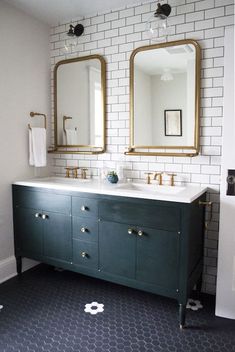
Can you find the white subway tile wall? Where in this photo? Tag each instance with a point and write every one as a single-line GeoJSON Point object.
{"type": "Point", "coordinates": [114, 34]}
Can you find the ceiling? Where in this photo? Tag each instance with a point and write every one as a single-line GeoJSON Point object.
{"type": "Point", "coordinates": [53, 12]}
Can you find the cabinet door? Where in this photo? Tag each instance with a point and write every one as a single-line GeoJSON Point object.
{"type": "Point", "coordinates": [57, 236]}
{"type": "Point", "coordinates": [116, 249]}
{"type": "Point", "coordinates": [157, 257]}
{"type": "Point", "coordinates": [28, 231]}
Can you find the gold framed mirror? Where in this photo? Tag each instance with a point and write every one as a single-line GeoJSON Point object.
{"type": "Point", "coordinates": [165, 99]}
{"type": "Point", "coordinates": [80, 105]}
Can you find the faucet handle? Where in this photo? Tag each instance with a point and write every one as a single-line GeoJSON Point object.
{"type": "Point", "coordinates": [148, 177]}
{"type": "Point", "coordinates": [83, 174]}
{"type": "Point", "coordinates": [172, 178]}
{"type": "Point", "coordinates": [68, 169]}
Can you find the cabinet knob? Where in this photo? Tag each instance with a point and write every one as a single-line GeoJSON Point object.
{"type": "Point", "coordinates": [44, 216]}
{"type": "Point", "coordinates": [130, 231]}
{"type": "Point", "coordinates": [83, 229]}
{"type": "Point", "coordinates": [84, 208]}
{"type": "Point", "coordinates": [140, 233]}
{"type": "Point", "coordinates": [84, 254]}
{"type": "Point", "coordinates": [37, 215]}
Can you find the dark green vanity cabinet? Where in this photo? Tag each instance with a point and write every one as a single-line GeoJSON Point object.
{"type": "Point", "coordinates": [156, 246]}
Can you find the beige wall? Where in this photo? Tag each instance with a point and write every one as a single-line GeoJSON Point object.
{"type": "Point", "coordinates": [24, 86]}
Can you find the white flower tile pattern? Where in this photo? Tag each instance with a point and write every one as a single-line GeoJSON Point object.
{"type": "Point", "coordinates": [194, 304]}
{"type": "Point", "coordinates": [94, 308]}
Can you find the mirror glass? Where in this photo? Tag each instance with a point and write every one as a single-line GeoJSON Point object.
{"type": "Point", "coordinates": [80, 103]}
{"type": "Point", "coordinates": [164, 96]}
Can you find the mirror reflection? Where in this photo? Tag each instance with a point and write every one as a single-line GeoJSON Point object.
{"type": "Point", "coordinates": [80, 102]}
{"type": "Point", "coordinates": [164, 92]}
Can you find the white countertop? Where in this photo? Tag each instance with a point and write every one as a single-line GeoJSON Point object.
{"type": "Point", "coordinates": [181, 194]}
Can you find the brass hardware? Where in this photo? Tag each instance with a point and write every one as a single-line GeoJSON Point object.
{"type": "Point", "coordinates": [159, 175]}
{"type": "Point", "coordinates": [140, 233]}
{"type": "Point", "coordinates": [84, 254]}
{"type": "Point", "coordinates": [210, 205]}
{"type": "Point", "coordinates": [83, 229]}
{"type": "Point", "coordinates": [130, 231]}
{"type": "Point", "coordinates": [84, 208]}
{"type": "Point", "coordinates": [172, 179]}
{"type": "Point", "coordinates": [83, 173]}
{"type": "Point", "coordinates": [148, 177]}
{"type": "Point", "coordinates": [32, 114]}
{"type": "Point", "coordinates": [64, 120]}
{"type": "Point", "coordinates": [194, 150]}
{"type": "Point", "coordinates": [37, 215]}
{"type": "Point", "coordinates": [69, 149]}
{"type": "Point", "coordinates": [68, 169]}
{"type": "Point", "coordinates": [75, 172]}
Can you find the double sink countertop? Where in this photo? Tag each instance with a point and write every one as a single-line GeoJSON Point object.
{"type": "Point", "coordinates": [181, 194]}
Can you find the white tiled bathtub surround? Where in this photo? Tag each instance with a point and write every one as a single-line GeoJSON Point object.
{"type": "Point", "coordinates": [114, 35]}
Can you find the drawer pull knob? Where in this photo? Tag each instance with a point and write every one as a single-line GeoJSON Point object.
{"type": "Point", "coordinates": [140, 233]}
{"type": "Point", "coordinates": [130, 231]}
{"type": "Point", "coordinates": [84, 254]}
{"type": "Point", "coordinates": [44, 216]}
{"type": "Point", "coordinates": [37, 215]}
{"type": "Point", "coordinates": [83, 229]}
{"type": "Point", "coordinates": [84, 208]}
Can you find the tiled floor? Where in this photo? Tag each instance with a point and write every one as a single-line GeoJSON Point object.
{"type": "Point", "coordinates": [44, 311]}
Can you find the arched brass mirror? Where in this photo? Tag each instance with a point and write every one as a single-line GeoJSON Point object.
{"type": "Point", "coordinates": [164, 99]}
{"type": "Point", "coordinates": [79, 105]}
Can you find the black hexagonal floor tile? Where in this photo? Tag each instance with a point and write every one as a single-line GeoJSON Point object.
{"type": "Point", "coordinates": [43, 311]}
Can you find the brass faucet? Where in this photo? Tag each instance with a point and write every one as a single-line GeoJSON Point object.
{"type": "Point", "coordinates": [75, 172]}
{"type": "Point", "coordinates": [159, 176]}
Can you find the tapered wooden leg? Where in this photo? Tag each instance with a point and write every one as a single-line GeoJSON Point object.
{"type": "Point", "coordinates": [19, 265]}
{"type": "Point", "coordinates": [182, 315]}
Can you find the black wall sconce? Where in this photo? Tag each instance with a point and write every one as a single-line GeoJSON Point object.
{"type": "Point", "coordinates": [75, 31]}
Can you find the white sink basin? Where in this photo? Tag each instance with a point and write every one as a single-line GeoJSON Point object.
{"type": "Point", "coordinates": [66, 180]}
{"type": "Point", "coordinates": [151, 188]}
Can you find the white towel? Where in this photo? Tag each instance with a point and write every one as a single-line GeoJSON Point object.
{"type": "Point", "coordinates": [37, 147]}
{"type": "Point", "coordinates": [71, 136]}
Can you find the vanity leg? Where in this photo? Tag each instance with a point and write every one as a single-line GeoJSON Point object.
{"type": "Point", "coordinates": [182, 315]}
{"type": "Point", "coordinates": [19, 265]}
{"type": "Point", "coordinates": [199, 285]}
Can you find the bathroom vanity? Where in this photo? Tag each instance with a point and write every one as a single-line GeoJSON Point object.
{"type": "Point", "coordinates": [130, 236]}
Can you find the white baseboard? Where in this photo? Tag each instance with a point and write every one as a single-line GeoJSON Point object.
{"type": "Point", "coordinates": [8, 267]}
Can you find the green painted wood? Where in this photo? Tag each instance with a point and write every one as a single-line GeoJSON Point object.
{"type": "Point", "coordinates": [42, 200]}
{"type": "Point", "coordinates": [29, 231]}
{"type": "Point", "coordinates": [90, 249]}
{"type": "Point", "coordinates": [57, 236]}
{"type": "Point", "coordinates": [157, 257]}
{"type": "Point", "coordinates": [116, 249]}
{"type": "Point", "coordinates": [84, 207]}
{"type": "Point", "coordinates": [90, 226]}
{"type": "Point", "coordinates": [161, 261]}
{"type": "Point", "coordinates": [161, 217]}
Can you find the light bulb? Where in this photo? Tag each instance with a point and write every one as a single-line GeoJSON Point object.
{"type": "Point", "coordinates": [156, 28]}
{"type": "Point", "coordinates": [69, 46]}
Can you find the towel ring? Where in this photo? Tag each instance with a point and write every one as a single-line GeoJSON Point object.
{"type": "Point", "coordinates": [32, 114]}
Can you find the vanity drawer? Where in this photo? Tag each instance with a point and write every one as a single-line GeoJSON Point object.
{"type": "Point", "coordinates": [42, 200]}
{"type": "Point", "coordinates": [84, 207]}
{"type": "Point", "coordinates": [161, 217]}
{"type": "Point", "coordinates": [85, 254]}
{"type": "Point", "coordinates": [85, 229]}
